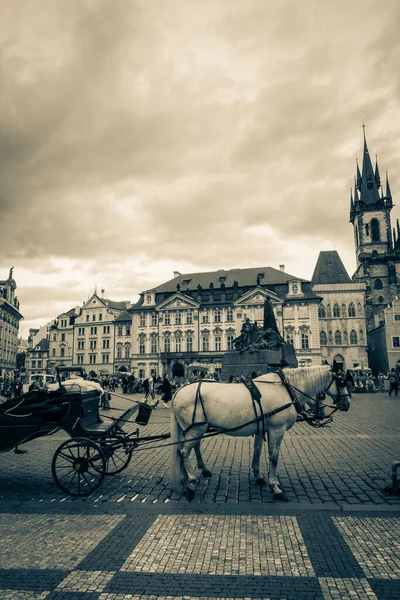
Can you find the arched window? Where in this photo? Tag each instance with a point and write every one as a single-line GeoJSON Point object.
{"type": "Point", "coordinates": [378, 285]}
{"type": "Point", "coordinates": [375, 231]}
{"type": "Point", "coordinates": [323, 339]}
{"type": "Point", "coordinates": [352, 310]}
{"type": "Point", "coordinates": [336, 311]}
{"type": "Point", "coordinates": [353, 337]}
{"type": "Point", "coordinates": [381, 299]}
{"type": "Point", "coordinates": [338, 338]}
{"type": "Point", "coordinates": [321, 311]}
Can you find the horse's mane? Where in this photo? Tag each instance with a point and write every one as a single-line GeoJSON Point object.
{"type": "Point", "coordinates": [311, 380]}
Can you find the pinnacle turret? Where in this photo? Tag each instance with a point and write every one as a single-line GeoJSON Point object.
{"type": "Point", "coordinates": [377, 174]}
{"type": "Point", "coordinates": [388, 192]}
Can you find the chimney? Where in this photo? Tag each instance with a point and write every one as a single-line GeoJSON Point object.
{"type": "Point", "coordinates": [176, 273]}
{"type": "Point", "coordinates": [282, 268]}
{"type": "Point", "coordinates": [77, 310]}
{"type": "Point", "coordinates": [128, 304]}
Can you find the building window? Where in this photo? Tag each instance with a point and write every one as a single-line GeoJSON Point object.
{"type": "Point", "coordinates": [205, 318]}
{"type": "Point", "coordinates": [178, 344]}
{"type": "Point", "coordinates": [321, 312]}
{"type": "Point", "coordinates": [106, 358]}
{"type": "Point", "coordinates": [100, 319]}
{"type": "Point", "coordinates": [119, 330]}
{"type": "Point", "coordinates": [154, 319]}
{"type": "Point", "coordinates": [80, 359]}
{"type": "Point", "coordinates": [62, 351]}
{"type": "Point", "coordinates": [141, 374]}
{"type": "Point", "coordinates": [304, 341]}
{"type": "Point", "coordinates": [63, 337]}
{"type": "Point", "coordinates": [189, 318]}
{"type": "Point", "coordinates": [338, 338]}
{"type": "Point", "coordinates": [93, 317]}
{"type": "Point", "coordinates": [92, 359]}
{"type": "Point", "coordinates": [93, 344]}
{"type": "Point", "coordinates": [54, 337]}
{"type": "Point", "coordinates": [178, 318]}
{"type": "Point", "coordinates": [54, 351]}
{"type": "Point", "coordinates": [167, 319]}
{"type": "Point", "coordinates": [353, 337]}
{"type": "Point", "coordinates": [167, 344]}
{"type": "Point", "coordinates": [93, 331]}
{"type": "Point", "coordinates": [351, 310]}
{"type": "Point", "coordinates": [323, 338]}
{"type": "Point", "coordinates": [217, 315]}
{"type": "Point", "coordinates": [81, 331]}
{"type": "Point", "coordinates": [396, 341]}
{"type": "Point", "coordinates": [142, 320]}
{"type": "Point", "coordinates": [375, 231]}
{"type": "Point", "coordinates": [87, 317]}
{"type": "Point", "coordinates": [229, 339]}
{"type": "Point", "coordinates": [378, 285]}
{"type": "Point", "coordinates": [142, 346]}
{"type": "Point", "coordinates": [217, 343]}
{"type": "Point", "coordinates": [336, 311]}
{"type": "Point", "coordinates": [127, 350]}
{"type": "Point", "coordinates": [205, 345]}
{"type": "Point", "coordinates": [153, 344]}
{"type": "Point", "coordinates": [106, 343]}
{"type": "Point", "coordinates": [289, 338]}
{"type": "Point", "coordinates": [189, 344]}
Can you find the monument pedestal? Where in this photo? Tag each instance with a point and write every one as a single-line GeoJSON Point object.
{"type": "Point", "coordinates": [238, 363]}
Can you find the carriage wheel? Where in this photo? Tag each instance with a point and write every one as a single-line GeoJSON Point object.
{"type": "Point", "coordinates": [117, 459]}
{"type": "Point", "coordinates": [78, 467]}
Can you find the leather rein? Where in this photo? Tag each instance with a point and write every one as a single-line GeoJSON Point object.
{"type": "Point", "coordinates": [315, 420]}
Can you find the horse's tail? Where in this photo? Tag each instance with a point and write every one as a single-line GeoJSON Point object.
{"type": "Point", "coordinates": [176, 472]}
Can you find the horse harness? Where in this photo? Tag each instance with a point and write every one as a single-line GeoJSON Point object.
{"type": "Point", "coordinates": [311, 419]}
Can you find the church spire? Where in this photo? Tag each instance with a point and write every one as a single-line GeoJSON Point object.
{"type": "Point", "coordinates": [369, 190]}
{"type": "Point", "coordinates": [388, 192]}
{"type": "Point", "coordinates": [351, 203]}
{"type": "Point", "coordinates": [377, 174]}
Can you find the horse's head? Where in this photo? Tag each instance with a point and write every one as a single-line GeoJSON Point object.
{"type": "Point", "coordinates": [338, 391]}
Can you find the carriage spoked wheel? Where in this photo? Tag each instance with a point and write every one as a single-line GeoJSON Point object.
{"type": "Point", "coordinates": [117, 456]}
{"type": "Point", "coordinates": [78, 466]}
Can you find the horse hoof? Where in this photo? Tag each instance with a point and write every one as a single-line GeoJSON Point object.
{"type": "Point", "coordinates": [281, 497]}
{"type": "Point", "coordinates": [261, 481]}
{"type": "Point", "coordinates": [206, 473]}
{"type": "Point", "coordinates": [189, 494]}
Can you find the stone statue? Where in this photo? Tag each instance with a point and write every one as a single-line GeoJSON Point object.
{"type": "Point", "coordinates": [269, 317]}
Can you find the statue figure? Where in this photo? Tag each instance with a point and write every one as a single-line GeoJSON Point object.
{"type": "Point", "coordinates": [178, 287]}
{"type": "Point", "coordinates": [269, 317]}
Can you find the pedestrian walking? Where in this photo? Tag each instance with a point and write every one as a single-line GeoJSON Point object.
{"type": "Point", "coordinates": [393, 382]}
{"type": "Point", "coordinates": [166, 391]}
{"type": "Point", "coordinates": [349, 381]}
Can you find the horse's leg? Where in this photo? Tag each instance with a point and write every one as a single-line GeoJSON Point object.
{"type": "Point", "coordinates": [255, 464]}
{"type": "Point", "coordinates": [200, 462]}
{"type": "Point", "coordinates": [275, 437]}
{"type": "Point", "coordinates": [188, 443]}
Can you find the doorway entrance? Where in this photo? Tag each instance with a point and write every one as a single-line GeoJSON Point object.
{"type": "Point", "coordinates": [178, 370]}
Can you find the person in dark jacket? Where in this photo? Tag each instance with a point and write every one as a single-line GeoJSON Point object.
{"type": "Point", "coordinates": [166, 391]}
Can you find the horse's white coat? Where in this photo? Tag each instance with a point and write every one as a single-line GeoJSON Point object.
{"type": "Point", "coordinates": [228, 406]}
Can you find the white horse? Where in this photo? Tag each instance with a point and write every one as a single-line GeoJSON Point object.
{"type": "Point", "coordinates": [228, 407]}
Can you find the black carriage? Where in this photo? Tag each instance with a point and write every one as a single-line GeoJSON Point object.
{"type": "Point", "coordinates": [95, 448]}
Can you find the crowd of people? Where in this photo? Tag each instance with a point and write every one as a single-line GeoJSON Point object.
{"type": "Point", "coordinates": [360, 381]}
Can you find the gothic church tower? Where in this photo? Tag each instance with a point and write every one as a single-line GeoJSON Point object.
{"type": "Point", "coordinates": [377, 248]}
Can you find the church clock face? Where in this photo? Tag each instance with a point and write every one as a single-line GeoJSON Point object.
{"type": "Point", "coordinates": [148, 298]}
{"type": "Point", "coordinates": [295, 288]}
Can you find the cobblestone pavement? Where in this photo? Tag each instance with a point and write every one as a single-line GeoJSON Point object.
{"type": "Point", "coordinates": [338, 537]}
{"type": "Point", "coordinates": [347, 464]}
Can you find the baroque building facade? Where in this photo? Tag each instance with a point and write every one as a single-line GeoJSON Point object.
{"type": "Point", "coordinates": [10, 317]}
{"type": "Point", "coordinates": [194, 318]}
{"type": "Point", "coordinates": [341, 314]}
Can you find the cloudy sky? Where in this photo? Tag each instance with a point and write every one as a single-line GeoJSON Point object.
{"type": "Point", "coordinates": [139, 137]}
